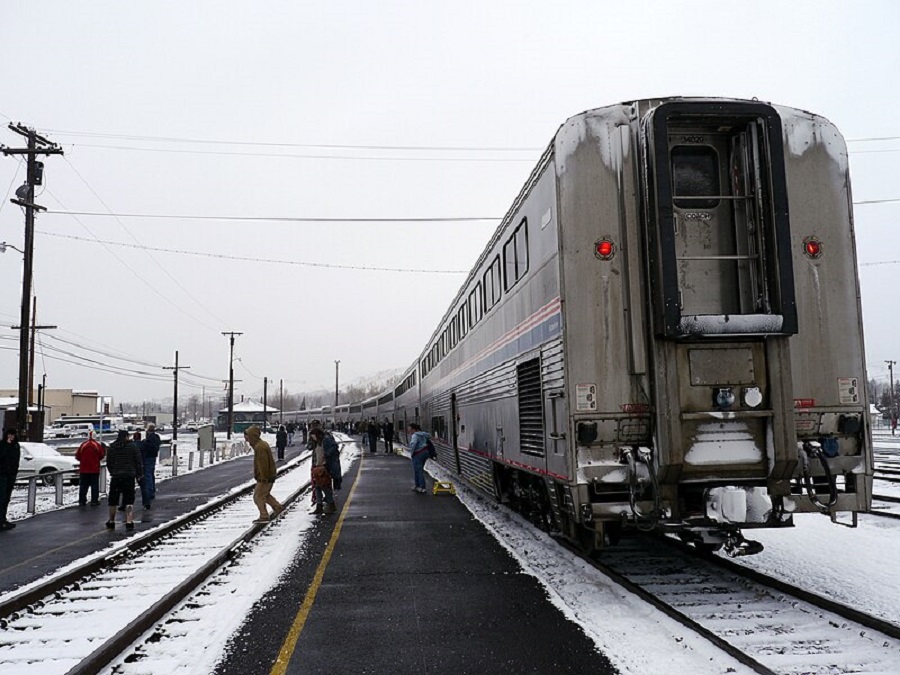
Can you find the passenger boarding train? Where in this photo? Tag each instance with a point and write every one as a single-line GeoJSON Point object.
{"type": "Point", "coordinates": [664, 333]}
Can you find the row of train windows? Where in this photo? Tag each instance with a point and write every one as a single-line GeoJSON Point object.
{"type": "Point", "coordinates": [487, 292]}
{"type": "Point", "coordinates": [406, 385]}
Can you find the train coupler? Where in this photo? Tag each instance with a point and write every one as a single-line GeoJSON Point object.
{"type": "Point", "coordinates": [736, 545]}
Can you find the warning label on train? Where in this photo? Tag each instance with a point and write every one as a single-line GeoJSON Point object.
{"type": "Point", "coordinates": [586, 397]}
{"type": "Point", "coordinates": [849, 389]}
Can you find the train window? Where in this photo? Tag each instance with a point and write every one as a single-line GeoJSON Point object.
{"type": "Point", "coordinates": [475, 305]}
{"type": "Point", "coordinates": [695, 174]}
{"type": "Point", "coordinates": [461, 317]}
{"type": "Point", "coordinates": [492, 287]}
{"type": "Point", "coordinates": [438, 427]}
{"type": "Point", "coordinates": [515, 256]}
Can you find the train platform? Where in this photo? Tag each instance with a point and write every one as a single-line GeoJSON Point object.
{"type": "Point", "coordinates": [401, 582]}
{"type": "Point", "coordinates": [45, 542]}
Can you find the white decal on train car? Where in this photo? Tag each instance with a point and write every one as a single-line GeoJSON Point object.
{"type": "Point", "coordinates": [586, 397]}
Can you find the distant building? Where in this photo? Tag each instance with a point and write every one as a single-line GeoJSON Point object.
{"type": "Point", "coordinates": [59, 402]}
{"type": "Point", "coordinates": [246, 413]}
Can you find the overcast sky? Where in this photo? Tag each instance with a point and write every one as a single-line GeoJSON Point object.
{"type": "Point", "coordinates": [360, 110]}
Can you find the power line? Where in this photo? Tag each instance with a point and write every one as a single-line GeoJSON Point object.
{"type": "Point", "coordinates": [275, 219]}
{"type": "Point", "coordinates": [296, 156]}
{"type": "Point", "coordinates": [137, 241]}
{"type": "Point", "coordinates": [329, 146]}
{"type": "Point", "coordinates": [223, 256]}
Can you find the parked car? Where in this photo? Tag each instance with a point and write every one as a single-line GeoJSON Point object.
{"type": "Point", "coordinates": [40, 459]}
{"type": "Point", "coordinates": [72, 430]}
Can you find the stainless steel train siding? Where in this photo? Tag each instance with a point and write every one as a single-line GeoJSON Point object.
{"type": "Point", "coordinates": [664, 332]}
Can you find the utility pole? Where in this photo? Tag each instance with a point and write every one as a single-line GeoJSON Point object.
{"type": "Point", "coordinates": [265, 403]}
{"type": "Point", "coordinates": [34, 329]}
{"type": "Point", "coordinates": [232, 335]}
{"type": "Point", "coordinates": [37, 145]}
{"type": "Point", "coordinates": [175, 399]}
{"type": "Point", "coordinates": [893, 409]}
{"type": "Point", "coordinates": [281, 402]}
{"type": "Point", "coordinates": [336, 366]}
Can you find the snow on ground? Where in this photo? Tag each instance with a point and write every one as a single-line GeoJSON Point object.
{"type": "Point", "coordinates": [854, 566]}
{"type": "Point", "coordinates": [635, 636]}
{"type": "Point", "coordinates": [218, 610]}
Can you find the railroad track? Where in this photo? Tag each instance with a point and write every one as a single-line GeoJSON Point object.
{"type": "Point", "coordinates": [769, 626]}
{"type": "Point", "coordinates": [178, 556]}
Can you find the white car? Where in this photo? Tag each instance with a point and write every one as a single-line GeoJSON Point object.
{"type": "Point", "coordinates": [40, 458]}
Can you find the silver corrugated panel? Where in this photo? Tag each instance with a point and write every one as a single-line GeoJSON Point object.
{"type": "Point", "coordinates": [477, 470]}
{"type": "Point", "coordinates": [492, 386]}
{"type": "Point", "coordinates": [553, 367]}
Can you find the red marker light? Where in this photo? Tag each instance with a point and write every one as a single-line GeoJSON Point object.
{"type": "Point", "coordinates": [812, 247]}
{"type": "Point", "coordinates": [604, 249]}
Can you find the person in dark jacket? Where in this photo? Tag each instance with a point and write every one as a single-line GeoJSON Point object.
{"type": "Point", "coordinates": [291, 428]}
{"type": "Point", "coordinates": [372, 433]}
{"type": "Point", "coordinates": [10, 454]}
{"type": "Point", "coordinates": [149, 452]}
{"type": "Point", "coordinates": [387, 430]}
{"type": "Point", "coordinates": [281, 441]}
{"type": "Point", "coordinates": [125, 466]}
{"type": "Point", "coordinates": [89, 455]}
{"type": "Point", "coordinates": [332, 454]}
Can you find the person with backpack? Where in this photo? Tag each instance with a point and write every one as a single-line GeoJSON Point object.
{"type": "Point", "coordinates": [321, 477]}
{"type": "Point", "coordinates": [332, 454]}
{"type": "Point", "coordinates": [419, 450]}
{"type": "Point", "coordinates": [125, 466]}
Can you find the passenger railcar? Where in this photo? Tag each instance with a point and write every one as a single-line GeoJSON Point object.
{"type": "Point", "coordinates": [663, 333]}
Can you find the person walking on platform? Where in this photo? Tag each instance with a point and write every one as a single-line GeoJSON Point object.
{"type": "Point", "coordinates": [418, 450]}
{"type": "Point", "coordinates": [332, 456]}
{"type": "Point", "coordinates": [89, 455]}
{"type": "Point", "coordinates": [320, 476]}
{"type": "Point", "coordinates": [125, 466]}
{"type": "Point", "coordinates": [387, 430]}
{"type": "Point", "coordinates": [372, 433]}
{"type": "Point", "coordinates": [281, 441]}
{"type": "Point", "coordinates": [10, 454]}
{"type": "Point", "coordinates": [150, 453]}
{"type": "Point", "coordinates": [264, 472]}
{"type": "Point", "coordinates": [291, 428]}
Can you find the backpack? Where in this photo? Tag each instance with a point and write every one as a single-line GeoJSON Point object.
{"type": "Point", "coordinates": [432, 453]}
{"type": "Point", "coordinates": [330, 446]}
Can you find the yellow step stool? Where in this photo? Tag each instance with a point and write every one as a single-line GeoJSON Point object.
{"type": "Point", "coordinates": [444, 487]}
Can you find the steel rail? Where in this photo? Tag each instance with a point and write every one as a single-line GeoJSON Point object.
{"type": "Point", "coordinates": [671, 612]}
{"type": "Point", "coordinates": [842, 610]}
{"type": "Point", "coordinates": [101, 657]}
{"type": "Point", "coordinates": [19, 601]}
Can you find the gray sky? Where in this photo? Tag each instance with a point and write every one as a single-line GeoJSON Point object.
{"type": "Point", "coordinates": [266, 85]}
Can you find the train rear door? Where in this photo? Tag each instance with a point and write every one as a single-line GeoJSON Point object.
{"type": "Point", "coordinates": [722, 294]}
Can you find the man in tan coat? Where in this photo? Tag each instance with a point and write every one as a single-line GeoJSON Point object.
{"type": "Point", "coordinates": [264, 472]}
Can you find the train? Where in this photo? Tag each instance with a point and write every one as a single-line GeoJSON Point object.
{"type": "Point", "coordinates": [663, 334]}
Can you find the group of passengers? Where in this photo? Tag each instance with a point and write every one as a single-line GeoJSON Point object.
{"type": "Point", "coordinates": [133, 459]}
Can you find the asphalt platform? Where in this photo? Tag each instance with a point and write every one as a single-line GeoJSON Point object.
{"type": "Point", "coordinates": [393, 582]}
{"type": "Point", "coordinates": [400, 582]}
{"type": "Point", "coordinates": [47, 541]}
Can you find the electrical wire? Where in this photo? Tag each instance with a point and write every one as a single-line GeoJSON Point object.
{"type": "Point", "coordinates": [165, 271]}
{"type": "Point", "coordinates": [276, 219]}
{"type": "Point", "coordinates": [223, 256]}
{"type": "Point", "coordinates": [328, 146]}
{"type": "Point", "coordinates": [132, 270]}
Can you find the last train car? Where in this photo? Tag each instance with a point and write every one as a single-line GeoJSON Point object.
{"type": "Point", "coordinates": [664, 332]}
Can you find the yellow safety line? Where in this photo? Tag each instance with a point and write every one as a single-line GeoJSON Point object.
{"type": "Point", "coordinates": [290, 642]}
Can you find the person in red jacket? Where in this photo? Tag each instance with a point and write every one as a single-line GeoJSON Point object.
{"type": "Point", "coordinates": [89, 455]}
